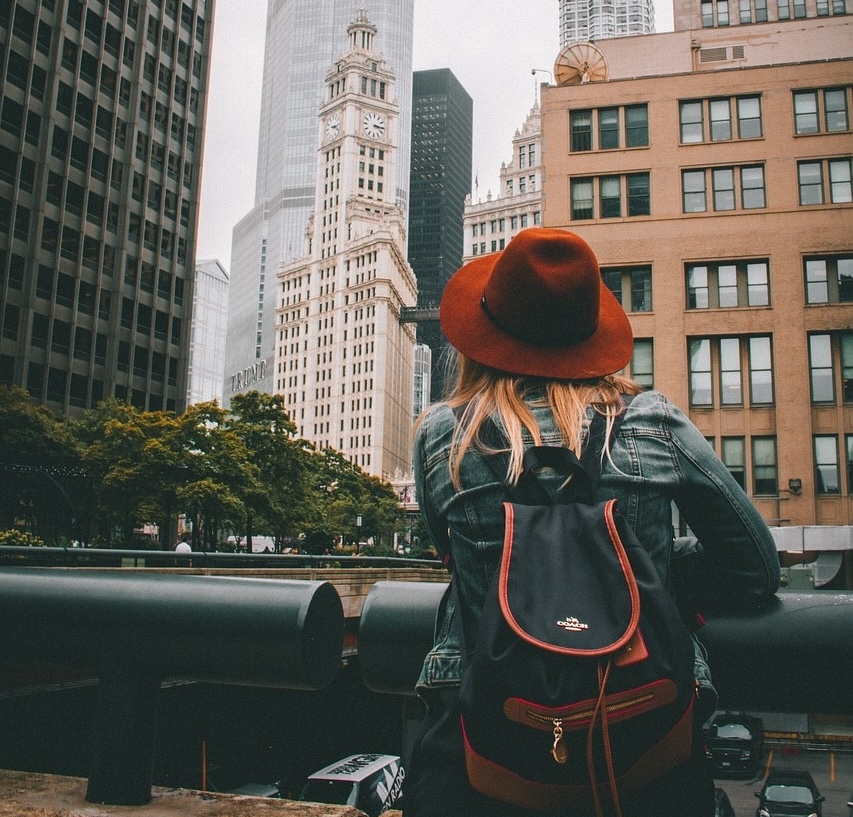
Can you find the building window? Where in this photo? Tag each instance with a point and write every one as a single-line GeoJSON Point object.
{"type": "Point", "coordinates": [634, 188]}
{"type": "Point", "coordinates": [752, 187]}
{"type": "Point", "coordinates": [805, 112]}
{"type": "Point", "coordinates": [849, 462]}
{"type": "Point", "coordinates": [723, 179]}
{"type": "Point", "coordinates": [639, 194]}
{"type": "Point", "coordinates": [582, 201]}
{"type": "Point", "coordinates": [749, 117]}
{"type": "Point", "coordinates": [632, 287]}
{"type": "Point", "coordinates": [815, 177]}
{"type": "Point", "coordinates": [691, 122]}
{"type": "Point", "coordinates": [642, 363]}
{"type": "Point", "coordinates": [718, 113]}
{"type": "Point", "coordinates": [760, 371]}
{"type": "Point", "coordinates": [723, 183]}
{"type": "Point", "coordinates": [581, 127]}
{"type": "Point", "coordinates": [836, 117]}
{"type": "Point", "coordinates": [610, 196]}
{"type": "Point", "coordinates": [826, 470]}
{"type": "Point", "coordinates": [637, 125]}
{"type": "Point", "coordinates": [728, 358]}
{"type": "Point", "coordinates": [829, 279]}
{"type": "Point", "coordinates": [693, 191]}
{"type": "Point", "coordinates": [831, 356]}
{"type": "Point", "coordinates": [720, 119]}
{"type": "Point", "coordinates": [727, 284]}
{"type": "Point", "coordinates": [733, 455]}
{"type": "Point", "coordinates": [608, 133]}
{"type": "Point", "coordinates": [608, 128]}
{"type": "Point", "coordinates": [764, 470]}
{"type": "Point", "coordinates": [841, 181]}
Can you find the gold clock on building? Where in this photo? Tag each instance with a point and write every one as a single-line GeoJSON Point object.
{"type": "Point", "coordinates": [579, 62]}
{"type": "Point", "coordinates": [333, 127]}
{"type": "Point", "coordinates": [373, 125]}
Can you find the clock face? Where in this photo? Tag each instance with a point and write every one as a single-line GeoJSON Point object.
{"type": "Point", "coordinates": [374, 125]}
{"type": "Point", "coordinates": [333, 126]}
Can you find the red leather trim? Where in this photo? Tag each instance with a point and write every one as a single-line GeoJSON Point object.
{"type": "Point", "coordinates": [620, 706]}
{"type": "Point", "coordinates": [634, 591]}
{"type": "Point", "coordinates": [502, 784]}
{"type": "Point", "coordinates": [633, 652]}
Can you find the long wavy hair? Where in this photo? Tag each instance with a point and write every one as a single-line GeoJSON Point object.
{"type": "Point", "coordinates": [484, 392]}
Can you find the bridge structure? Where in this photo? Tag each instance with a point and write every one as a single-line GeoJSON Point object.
{"type": "Point", "coordinates": [418, 314]}
{"type": "Point", "coordinates": [133, 628]}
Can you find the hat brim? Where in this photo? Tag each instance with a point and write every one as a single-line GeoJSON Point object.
{"type": "Point", "coordinates": [470, 330]}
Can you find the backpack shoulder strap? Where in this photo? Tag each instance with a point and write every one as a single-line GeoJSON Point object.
{"type": "Point", "coordinates": [585, 471]}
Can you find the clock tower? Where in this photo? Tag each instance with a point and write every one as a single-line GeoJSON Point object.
{"type": "Point", "coordinates": [344, 361]}
{"type": "Point", "coordinates": [358, 137]}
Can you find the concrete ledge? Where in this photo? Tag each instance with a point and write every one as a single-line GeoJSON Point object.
{"type": "Point", "coordinates": [46, 795]}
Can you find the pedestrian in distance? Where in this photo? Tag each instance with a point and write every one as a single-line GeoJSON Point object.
{"type": "Point", "coordinates": [540, 342]}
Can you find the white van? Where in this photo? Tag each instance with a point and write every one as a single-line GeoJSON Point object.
{"type": "Point", "coordinates": [370, 782]}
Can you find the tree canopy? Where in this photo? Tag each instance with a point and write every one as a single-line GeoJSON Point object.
{"type": "Point", "coordinates": [241, 472]}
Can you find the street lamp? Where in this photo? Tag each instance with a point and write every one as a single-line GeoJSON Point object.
{"type": "Point", "coordinates": [358, 533]}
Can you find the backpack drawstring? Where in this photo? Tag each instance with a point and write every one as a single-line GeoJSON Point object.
{"type": "Point", "coordinates": [601, 710]}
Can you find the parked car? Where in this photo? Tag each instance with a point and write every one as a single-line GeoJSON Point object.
{"type": "Point", "coordinates": [722, 804]}
{"type": "Point", "coordinates": [789, 793]}
{"type": "Point", "coordinates": [735, 744]}
{"type": "Point", "coordinates": [370, 782]}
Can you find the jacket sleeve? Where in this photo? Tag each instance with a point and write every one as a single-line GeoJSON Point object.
{"type": "Point", "coordinates": [435, 526]}
{"type": "Point", "coordinates": [739, 559]}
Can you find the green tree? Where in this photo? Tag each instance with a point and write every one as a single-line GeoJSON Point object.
{"type": "Point", "coordinates": [42, 483]}
{"type": "Point", "coordinates": [219, 474]}
{"type": "Point", "coordinates": [130, 455]}
{"type": "Point", "coordinates": [277, 501]}
{"type": "Point", "coordinates": [343, 492]}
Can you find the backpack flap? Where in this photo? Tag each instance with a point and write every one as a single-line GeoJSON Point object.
{"type": "Point", "coordinates": [564, 592]}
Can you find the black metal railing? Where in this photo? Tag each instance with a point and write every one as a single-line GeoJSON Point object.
{"type": "Point", "coordinates": [14, 556]}
{"type": "Point", "coordinates": [136, 629]}
{"type": "Point", "coordinates": [792, 654]}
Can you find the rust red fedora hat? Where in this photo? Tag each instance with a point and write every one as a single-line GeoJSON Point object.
{"type": "Point", "coordinates": [540, 308]}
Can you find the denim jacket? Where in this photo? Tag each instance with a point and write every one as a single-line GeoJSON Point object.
{"type": "Point", "coordinates": [657, 458]}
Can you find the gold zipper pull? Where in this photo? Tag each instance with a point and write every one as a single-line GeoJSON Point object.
{"type": "Point", "coordinates": [558, 750]}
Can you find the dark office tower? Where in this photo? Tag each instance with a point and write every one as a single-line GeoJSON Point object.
{"type": "Point", "coordinates": [101, 125]}
{"type": "Point", "coordinates": [442, 117]}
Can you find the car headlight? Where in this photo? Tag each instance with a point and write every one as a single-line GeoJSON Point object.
{"type": "Point", "coordinates": [762, 812]}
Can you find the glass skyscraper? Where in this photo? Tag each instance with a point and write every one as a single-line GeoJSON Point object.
{"type": "Point", "coordinates": [442, 127]}
{"type": "Point", "coordinates": [304, 37]}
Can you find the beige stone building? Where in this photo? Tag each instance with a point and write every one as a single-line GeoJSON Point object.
{"type": "Point", "coordinates": [710, 169]}
{"type": "Point", "coordinates": [491, 223]}
{"type": "Point", "coordinates": [344, 361]}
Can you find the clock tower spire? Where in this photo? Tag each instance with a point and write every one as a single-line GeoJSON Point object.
{"type": "Point", "coordinates": [344, 361]}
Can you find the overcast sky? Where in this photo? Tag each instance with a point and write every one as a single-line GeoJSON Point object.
{"type": "Point", "coordinates": [491, 46]}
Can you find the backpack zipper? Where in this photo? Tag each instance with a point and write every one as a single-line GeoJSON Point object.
{"type": "Point", "coordinates": [558, 749]}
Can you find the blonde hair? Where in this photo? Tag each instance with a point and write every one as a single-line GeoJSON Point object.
{"type": "Point", "coordinates": [484, 392]}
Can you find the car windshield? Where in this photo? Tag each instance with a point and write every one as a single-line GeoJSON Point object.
{"type": "Point", "coordinates": [733, 730]}
{"type": "Point", "coordinates": [789, 794]}
{"type": "Point", "coordinates": [335, 792]}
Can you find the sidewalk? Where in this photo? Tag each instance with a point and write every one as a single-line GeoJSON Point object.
{"type": "Point", "coordinates": [43, 795]}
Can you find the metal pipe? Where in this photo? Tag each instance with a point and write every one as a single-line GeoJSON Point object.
{"type": "Point", "coordinates": [222, 629]}
{"type": "Point", "coordinates": [135, 629]}
{"type": "Point", "coordinates": [794, 654]}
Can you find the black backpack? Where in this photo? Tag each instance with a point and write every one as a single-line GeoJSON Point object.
{"type": "Point", "coordinates": [581, 682]}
